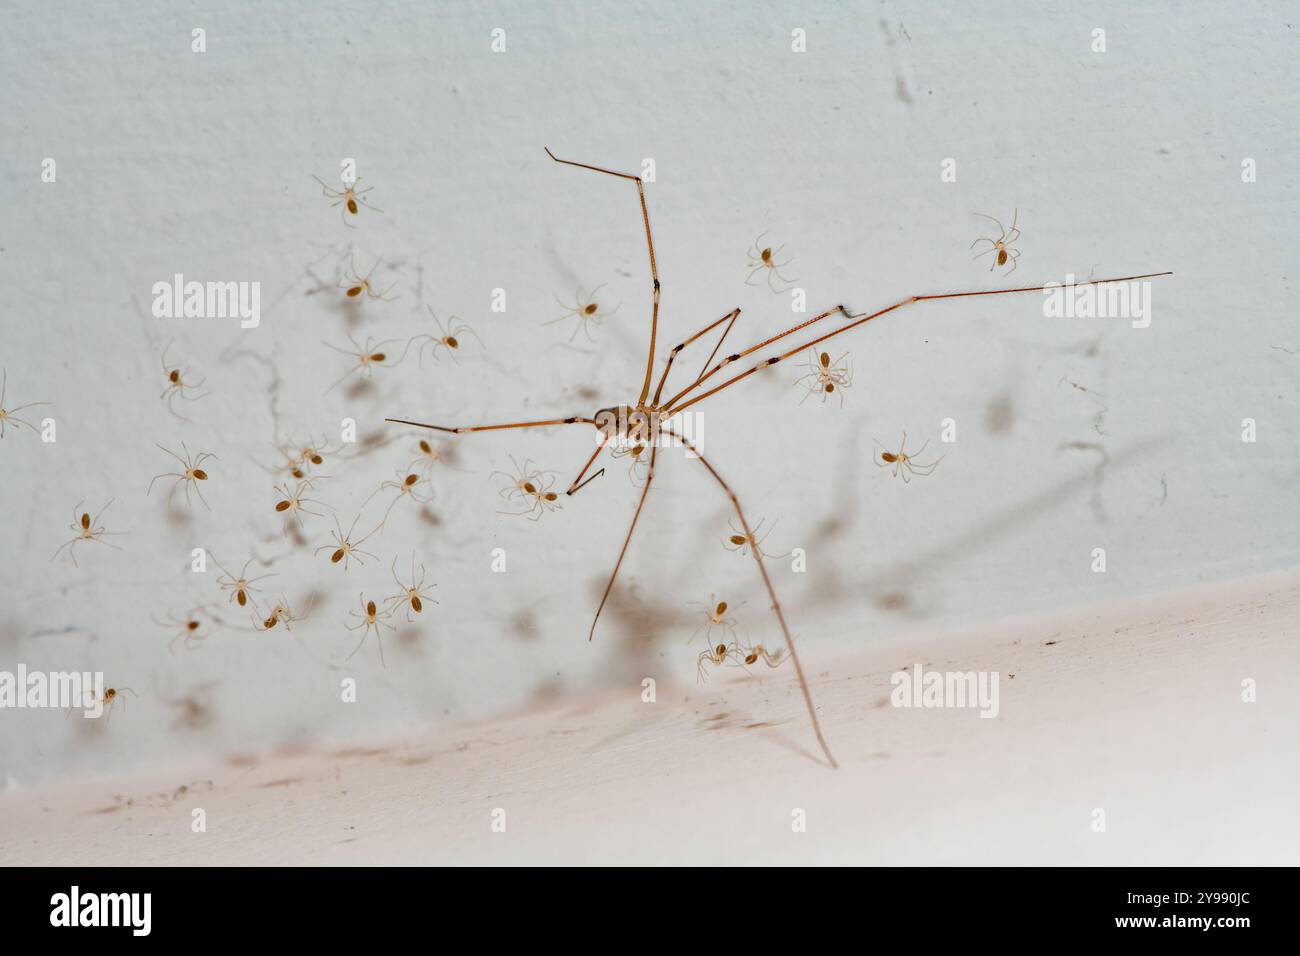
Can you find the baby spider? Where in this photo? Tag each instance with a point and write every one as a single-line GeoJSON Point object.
{"type": "Point", "coordinates": [449, 337]}
{"type": "Point", "coordinates": [192, 474]}
{"type": "Point", "coordinates": [715, 616]}
{"type": "Point", "coordinates": [372, 354]}
{"type": "Point", "coordinates": [190, 628]}
{"type": "Point", "coordinates": [531, 488]}
{"type": "Point", "coordinates": [412, 596]}
{"type": "Point", "coordinates": [904, 463]}
{"type": "Point", "coordinates": [717, 655]}
{"type": "Point", "coordinates": [291, 503]}
{"type": "Point", "coordinates": [741, 542]}
{"type": "Point", "coordinates": [748, 656]}
{"type": "Point", "coordinates": [369, 617]}
{"type": "Point", "coordinates": [306, 457]}
{"type": "Point", "coordinates": [110, 697]}
{"type": "Point", "coordinates": [585, 309]}
{"type": "Point", "coordinates": [239, 587]}
{"type": "Point", "coordinates": [8, 414]}
{"type": "Point", "coordinates": [405, 489]}
{"type": "Point", "coordinates": [177, 385]}
{"type": "Point", "coordinates": [825, 376]}
{"type": "Point", "coordinates": [765, 258]}
{"type": "Point", "coordinates": [280, 613]}
{"type": "Point", "coordinates": [357, 284]}
{"type": "Point", "coordinates": [344, 548]}
{"type": "Point", "coordinates": [349, 196]}
{"type": "Point", "coordinates": [87, 530]}
{"type": "Point", "coordinates": [426, 456]}
{"type": "Point", "coordinates": [1001, 245]}
{"type": "Point", "coordinates": [640, 468]}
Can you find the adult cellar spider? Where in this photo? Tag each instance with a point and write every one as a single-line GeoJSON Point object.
{"type": "Point", "coordinates": [651, 413]}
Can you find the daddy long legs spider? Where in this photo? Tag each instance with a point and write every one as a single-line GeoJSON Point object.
{"type": "Point", "coordinates": [648, 415]}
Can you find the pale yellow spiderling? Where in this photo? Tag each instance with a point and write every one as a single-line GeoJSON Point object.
{"type": "Point", "coordinates": [292, 504]}
{"type": "Point", "coordinates": [9, 416]}
{"type": "Point", "coordinates": [107, 700]}
{"type": "Point", "coordinates": [586, 309]}
{"type": "Point", "coordinates": [905, 464]}
{"type": "Point", "coordinates": [748, 655]}
{"type": "Point", "coordinates": [427, 454]}
{"type": "Point", "coordinates": [826, 377]}
{"type": "Point", "coordinates": [368, 358]}
{"type": "Point", "coordinates": [1001, 245]}
{"type": "Point", "coordinates": [344, 549]}
{"type": "Point", "coordinates": [189, 627]}
{"type": "Point", "coordinates": [411, 596]}
{"type": "Point", "coordinates": [349, 197]}
{"type": "Point", "coordinates": [280, 613]}
{"type": "Point", "coordinates": [450, 337]}
{"type": "Point", "coordinates": [370, 617]}
{"type": "Point", "coordinates": [178, 385]}
{"type": "Point", "coordinates": [88, 529]}
{"type": "Point", "coordinates": [191, 474]}
{"type": "Point", "coordinates": [358, 286]}
{"type": "Point", "coordinates": [717, 655]}
{"type": "Point", "coordinates": [241, 587]}
{"type": "Point", "coordinates": [716, 618]}
{"type": "Point", "coordinates": [742, 542]}
{"type": "Point", "coordinates": [407, 486]}
{"type": "Point", "coordinates": [762, 259]}
{"type": "Point", "coordinates": [530, 487]}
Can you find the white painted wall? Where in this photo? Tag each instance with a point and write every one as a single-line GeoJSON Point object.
{"type": "Point", "coordinates": [1120, 162]}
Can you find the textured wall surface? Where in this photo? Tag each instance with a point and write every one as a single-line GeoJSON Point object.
{"type": "Point", "coordinates": [1072, 433]}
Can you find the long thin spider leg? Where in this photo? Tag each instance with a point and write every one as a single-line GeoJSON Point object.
{"type": "Point", "coordinates": [771, 593]}
{"type": "Point", "coordinates": [461, 429]}
{"type": "Point", "coordinates": [654, 448]}
{"type": "Point", "coordinates": [654, 269]}
{"type": "Point", "coordinates": [754, 348]}
{"type": "Point", "coordinates": [859, 320]}
{"type": "Point", "coordinates": [577, 483]}
{"type": "Point", "coordinates": [732, 315]}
